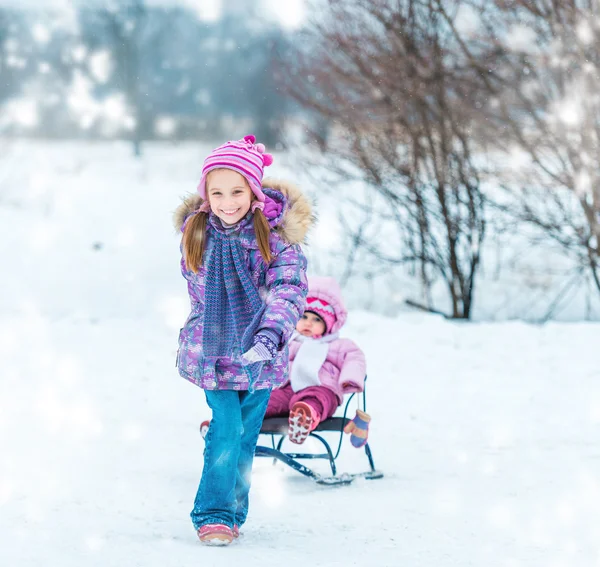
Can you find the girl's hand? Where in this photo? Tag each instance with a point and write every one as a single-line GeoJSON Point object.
{"type": "Point", "coordinates": [264, 349]}
{"type": "Point", "coordinates": [258, 353]}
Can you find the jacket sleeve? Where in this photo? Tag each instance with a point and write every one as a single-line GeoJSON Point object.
{"type": "Point", "coordinates": [286, 294]}
{"type": "Point", "coordinates": [354, 368]}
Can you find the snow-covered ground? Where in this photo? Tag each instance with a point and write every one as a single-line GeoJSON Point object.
{"type": "Point", "coordinates": [487, 433]}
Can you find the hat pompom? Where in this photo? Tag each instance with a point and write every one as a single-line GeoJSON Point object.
{"type": "Point", "coordinates": [251, 138]}
{"type": "Point", "coordinates": [267, 159]}
{"type": "Point", "coordinates": [260, 148]}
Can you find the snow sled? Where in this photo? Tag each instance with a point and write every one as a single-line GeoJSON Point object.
{"type": "Point", "coordinates": [278, 427]}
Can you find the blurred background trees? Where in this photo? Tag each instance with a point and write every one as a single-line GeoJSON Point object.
{"type": "Point", "coordinates": [451, 129]}
{"type": "Point", "coordinates": [140, 71]}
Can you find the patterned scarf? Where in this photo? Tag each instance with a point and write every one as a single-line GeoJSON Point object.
{"type": "Point", "coordinates": [233, 307]}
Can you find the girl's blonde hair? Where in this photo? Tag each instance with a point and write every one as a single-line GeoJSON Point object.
{"type": "Point", "coordinates": [194, 235]}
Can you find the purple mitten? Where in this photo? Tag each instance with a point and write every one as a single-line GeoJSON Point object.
{"type": "Point", "coordinates": [358, 429]}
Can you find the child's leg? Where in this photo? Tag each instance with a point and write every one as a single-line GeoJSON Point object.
{"type": "Point", "coordinates": [216, 500]}
{"type": "Point", "coordinates": [322, 400]}
{"type": "Point", "coordinates": [253, 408]}
{"type": "Point", "coordinates": [308, 408]}
{"type": "Point", "coordinates": [279, 402]}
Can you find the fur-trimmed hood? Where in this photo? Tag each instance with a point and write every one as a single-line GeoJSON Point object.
{"type": "Point", "coordinates": [296, 221]}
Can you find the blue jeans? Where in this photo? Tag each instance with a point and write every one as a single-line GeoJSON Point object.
{"type": "Point", "coordinates": [222, 496]}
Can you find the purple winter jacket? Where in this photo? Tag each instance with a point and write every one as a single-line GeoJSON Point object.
{"type": "Point", "coordinates": [282, 284]}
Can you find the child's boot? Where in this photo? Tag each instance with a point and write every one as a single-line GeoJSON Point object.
{"type": "Point", "coordinates": [358, 429]}
{"type": "Point", "coordinates": [303, 419]}
{"type": "Point", "coordinates": [215, 534]}
{"type": "Point", "coordinates": [204, 428]}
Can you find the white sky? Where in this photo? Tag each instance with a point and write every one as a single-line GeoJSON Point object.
{"type": "Point", "coordinates": [290, 13]}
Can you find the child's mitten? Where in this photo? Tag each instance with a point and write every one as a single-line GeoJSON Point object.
{"type": "Point", "coordinates": [264, 348]}
{"type": "Point", "coordinates": [358, 429]}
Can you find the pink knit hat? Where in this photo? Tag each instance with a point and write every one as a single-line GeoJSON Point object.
{"type": "Point", "coordinates": [323, 309]}
{"type": "Point", "coordinates": [245, 157]}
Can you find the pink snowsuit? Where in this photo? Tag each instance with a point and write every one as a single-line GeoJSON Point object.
{"type": "Point", "coordinates": [343, 371]}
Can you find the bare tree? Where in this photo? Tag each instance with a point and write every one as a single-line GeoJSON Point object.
{"type": "Point", "coordinates": [125, 22]}
{"type": "Point", "coordinates": [392, 81]}
{"type": "Point", "coordinates": [4, 23]}
{"type": "Point", "coordinates": [540, 62]}
{"type": "Point", "coordinates": [11, 74]}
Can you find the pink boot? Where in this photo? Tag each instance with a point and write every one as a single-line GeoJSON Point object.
{"type": "Point", "coordinates": [303, 419]}
{"type": "Point", "coordinates": [215, 534]}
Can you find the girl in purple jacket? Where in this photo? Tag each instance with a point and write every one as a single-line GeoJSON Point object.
{"type": "Point", "coordinates": [246, 281]}
{"type": "Point", "coordinates": [324, 366]}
